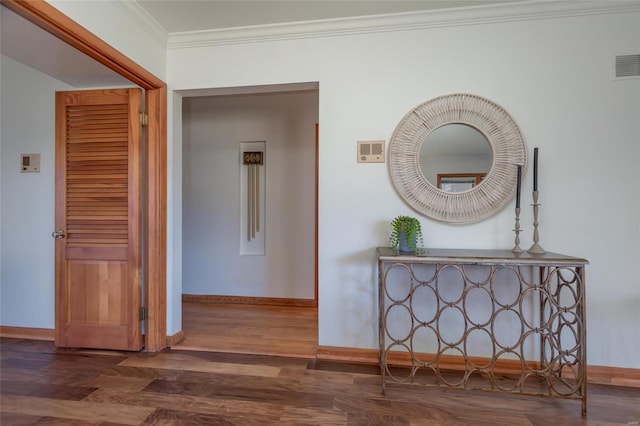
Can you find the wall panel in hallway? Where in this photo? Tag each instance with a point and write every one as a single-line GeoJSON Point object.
{"type": "Point", "coordinates": [213, 128]}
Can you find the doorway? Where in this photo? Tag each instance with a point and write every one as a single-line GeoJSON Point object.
{"type": "Point", "coordinates": [275, 279]}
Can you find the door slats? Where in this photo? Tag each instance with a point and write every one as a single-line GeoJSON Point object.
{"type": "Point", "coordinates": [97, 176]}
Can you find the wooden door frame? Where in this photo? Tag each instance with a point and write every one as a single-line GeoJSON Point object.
{"type": "Point", "coordinates": [55, 22]}
{"type": "Point", "coordinates": [317, 181]}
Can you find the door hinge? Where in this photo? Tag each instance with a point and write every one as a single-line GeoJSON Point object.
{"type": "Point", "coordinates": [143, 313]}
{"type": "Point", "coordinates": [144, 118]}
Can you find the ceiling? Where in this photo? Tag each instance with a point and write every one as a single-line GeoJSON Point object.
{"type": "Point", "coordinates": [28, 44]}
{"type": "Point", "coordinates": [188, 15]}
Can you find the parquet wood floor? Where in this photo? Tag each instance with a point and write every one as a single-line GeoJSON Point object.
{"type": "Point", "coordinates": [40, 384]}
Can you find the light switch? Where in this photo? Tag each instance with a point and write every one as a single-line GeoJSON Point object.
{"type": "Point", "coordinates": [29, 163]}
{"type": "Point", "coordinates": [371, 151]}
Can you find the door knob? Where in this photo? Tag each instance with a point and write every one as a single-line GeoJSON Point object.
{"type": "Point", "coordinates": [58, 234]}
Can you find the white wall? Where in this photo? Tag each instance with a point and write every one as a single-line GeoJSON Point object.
{"type": "Point", "coordinates": [174, 213]}
{"type": "Point", "coordinates": [27, 252]}
{"type": "Point", "coordinates": [213, 129]}
{"type": "Point", "coordinates": [552, 75]}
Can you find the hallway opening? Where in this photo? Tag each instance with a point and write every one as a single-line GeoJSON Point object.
{"type": "Point", "coordinates": [250, 231]}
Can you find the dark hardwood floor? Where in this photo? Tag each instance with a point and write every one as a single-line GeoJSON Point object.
{"type": "Point", "coordinates": [44, 385]}
{"type": "Point", "coordinates": [247, 365]}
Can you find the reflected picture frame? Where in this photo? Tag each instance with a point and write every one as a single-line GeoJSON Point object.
{"type": "Point", "coordinates": [458, 182]}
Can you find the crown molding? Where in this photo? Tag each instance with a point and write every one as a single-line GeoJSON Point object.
{"type": "Point", "coordinates": [143, 20]}
{"type": "Point", "coordinates": [475, 15]}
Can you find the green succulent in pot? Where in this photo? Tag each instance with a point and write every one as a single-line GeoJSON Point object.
{"type": "Point", "coordinates": [406, 233]}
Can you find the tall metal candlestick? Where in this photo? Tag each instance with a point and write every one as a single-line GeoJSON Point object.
{"type": "Point", "coordinates": [535, 248]}
{"type": "Point", "coordinates": [516, 248]}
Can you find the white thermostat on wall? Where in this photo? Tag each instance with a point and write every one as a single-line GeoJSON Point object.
{"type": "Point", "coordinates": [371, 151]}
{"type": "Point", "coordinates": [30, 163]}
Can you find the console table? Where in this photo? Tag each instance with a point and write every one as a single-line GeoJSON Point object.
{"type": "Point", "coordinates": [484, 319]}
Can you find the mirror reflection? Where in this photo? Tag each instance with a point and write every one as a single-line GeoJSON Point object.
{"type": "Point", "coordinates": [455, 157]}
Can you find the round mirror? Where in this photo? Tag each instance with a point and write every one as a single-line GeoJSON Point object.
{"type": "Point", "coordinates": [426, 132]}
{"type": "Point", "coordinates": [455, 157]}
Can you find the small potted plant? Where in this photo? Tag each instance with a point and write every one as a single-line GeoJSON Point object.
{"type": "Point", "coordinates": [406, 233]}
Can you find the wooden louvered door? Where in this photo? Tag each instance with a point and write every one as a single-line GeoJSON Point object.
{"type": "Point", "coordinates": [98, 219]}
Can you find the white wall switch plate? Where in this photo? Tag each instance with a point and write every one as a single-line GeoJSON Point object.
{"type": "Point", "coordinates": [29, 163]}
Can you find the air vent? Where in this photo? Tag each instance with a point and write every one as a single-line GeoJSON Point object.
{"type": "Point", "coordinates": [627, 66]}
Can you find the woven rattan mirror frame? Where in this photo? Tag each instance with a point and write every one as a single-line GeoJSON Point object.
{"type": "Point", "coordinates": [480, 202]}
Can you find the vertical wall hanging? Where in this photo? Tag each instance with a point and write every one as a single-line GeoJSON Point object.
{"type": "Point", "coordinates": [253, 160]}
{"type": "Point", "coordinates": [252, 198]}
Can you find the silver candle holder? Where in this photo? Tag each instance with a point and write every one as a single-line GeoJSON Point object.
{"type": "Point", "coordinates": [536, 248]}
{"type": "Point", "coordinates": [516, 248]}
